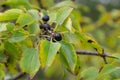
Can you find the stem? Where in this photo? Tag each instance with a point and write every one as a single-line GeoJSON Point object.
{"type": "Point", "coordinates": [18, 76]}
{"type": "Point", "coordinates": [84, 52]}
{"type": "Point", "coordinates": [40, 4]}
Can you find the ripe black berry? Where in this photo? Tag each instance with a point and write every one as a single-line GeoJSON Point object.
{"type": "Point", "coordinates": [45, 18]}
{"type": "Point", "coordinates": [57, 37]}
{"type": "Point", "coordinates": [46, 27]}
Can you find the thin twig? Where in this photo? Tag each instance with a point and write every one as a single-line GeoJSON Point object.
{"type": "Point", "coordinates": [18, 76]}
{"type": "Point", "coordinates": [27, 77]}
{"type": "Point", "coordinates": [21, 75]}
{"type": "Point", "coordinates": [84, 52]}
{"type": "Point", "coordinates": [104, 57]}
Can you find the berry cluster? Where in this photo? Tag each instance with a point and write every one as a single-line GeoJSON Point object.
{"type": "Point", "coordinates": [47, 30]}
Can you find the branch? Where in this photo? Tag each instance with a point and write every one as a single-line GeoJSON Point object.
{"type": "Point", "coordinates": [21, 74]}
{"type": "Point", "coordinates": [84, 52]}
{"type": "Point", "coordinates": [81, 52]}
{"type": "Point", "coordinates": [18, 76]}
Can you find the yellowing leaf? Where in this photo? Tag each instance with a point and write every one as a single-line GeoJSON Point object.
{"type": "Point", "coordinates": [3, 27]}
{"type": "Point", "coordinates": [90, 41]}
{"type": "Point", "coordinates": [76, 18]}
{"type": "Point", "coordinates": [12, 50]}
{"type": "Point", "coordinates": [69, 26]}
{"type": "Point", "coordinates": [2, 72]}
{"type": "Point", "coordinates": [47, 52]}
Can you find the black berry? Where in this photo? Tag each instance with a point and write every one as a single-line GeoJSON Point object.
{"type": "Point", "coordinates": [46, 27]}
{"type": "Point", "coordinates": [45, 18]}
{"type": "Point", "coordinates": [57, 37]}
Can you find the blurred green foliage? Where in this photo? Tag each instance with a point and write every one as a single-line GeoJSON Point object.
{"type": "Point", "coordinates": [100, 21]}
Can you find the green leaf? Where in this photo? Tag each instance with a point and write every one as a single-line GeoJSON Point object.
{"type": "Point", "coordinates": [11, 65]}
{"type": "Point", "coordinates": [62, 14]}
{"type": "Point", "coordinates": [53, 16]}
{"type": "Point", "coordinates": [3, 27]}
{"type": "Point", "coordinates": [76, 18]}
{"type": "Point", "coordinates": [90, 74]}
{"type": "Point", "coordinates": [47, 52]}
{"type": "Point", "coordinates": [90, 41]}
{"type": "Point", "coordinates": [73, 39]}
{"type": "Point", "coordinates": [34, 13]}
{"type": "Point", "coordinates": [47, 3]}
{"type": "Point", "coordinates": [25, 19]}
{"type": "Point", "coordinates": [10, 26]}
{"type": "Point", "coordinates": [69, 54]}
{"type": "Point", "coordinates": [18, 36]}
{"type": "Point", "coordinates": [11, 49]}
{"type": "Point", "coordinates": [66, 3]}
{"type": "Point", "coordinates": [27, 42]}
{"type": "Point", "coordinates": [117, 55]}
{"type": "Point", "coordinates": [34, 28]}
{"type": "Point", "coordinates": [30, 61]}
{"type": "Point", "coordinates": [10, 14]}
{"type": "Point", "coordinates": [108, 69]}
{"type": "Point", "coordinates": [115, 74]}
{"type": "Point", "coordinates": [68, 25]}
{"type": "Point", "coordinates": [3, 57]}
{"type": "Point", "coordinates": [2, 72]}
{"type": "Point", "coordinates": [77, 68]}
{"type": "Point", "coordinates": [18, 3]}
{"type": "Point", "coordinates": [63, 60]}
